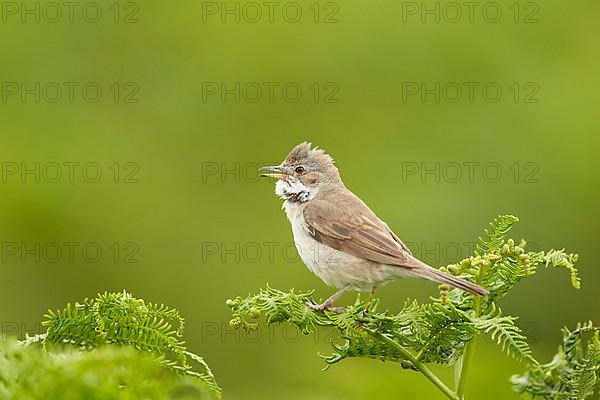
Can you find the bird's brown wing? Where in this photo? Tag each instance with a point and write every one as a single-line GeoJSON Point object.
{"type": "Point", "coordinates": [347, 224]}
{"type": "Point", "coordinates": [400, 242]}
{"type": "Point", "coordinates": [353, 228]}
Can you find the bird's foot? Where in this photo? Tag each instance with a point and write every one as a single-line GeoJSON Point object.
{"type": "Point", "coordinates": [325, 307]}
{"type": "Point", "coordinates": [370, 307]}
{"type": "Point", "coordinates": [372, 304]}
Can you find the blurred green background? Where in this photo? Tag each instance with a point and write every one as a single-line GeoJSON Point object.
{"type": "Point", "coordinates": [188, 207]}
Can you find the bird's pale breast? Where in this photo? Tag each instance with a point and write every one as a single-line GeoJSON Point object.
{"type": "Point", "coordinates": [335, 267]}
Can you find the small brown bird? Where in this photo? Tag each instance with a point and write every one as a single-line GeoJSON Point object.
{"type": "Point", "coordinates": [337, 235]}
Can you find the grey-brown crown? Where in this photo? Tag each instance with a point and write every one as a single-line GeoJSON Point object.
{"type": "Point", "coordinates": [313, 159]}
{"type": "Point", "coordinates": [303, 152]}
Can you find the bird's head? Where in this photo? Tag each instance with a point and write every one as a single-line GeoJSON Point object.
{"type": "Point", "coordinates": [304, 173]}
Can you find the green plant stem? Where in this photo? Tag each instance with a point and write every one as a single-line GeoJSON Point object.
{"type": "Point", "coordinates": [419, 365]}
{"type": "Point", "coordinates": [470, 348]}
{"type": "Point", "coordinates": [467, 358]}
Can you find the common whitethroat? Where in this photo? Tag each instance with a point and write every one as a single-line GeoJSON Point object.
{"type": "Point", "coordinates": [337, 235]}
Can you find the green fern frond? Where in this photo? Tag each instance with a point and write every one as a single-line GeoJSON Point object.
{"type": "Point", "coordinates": [444, 332]}
{"type": "Point", "coordinates": [433, 332]}
{"type": "Point", "coordinates": [560, 259]}
{"type": "Point", "coordinates": [205, 375]}
{"type": "Point", "coordinates": [572, 340]}
{"type": "Point", "coordinates": [506, 268]}
{"type": "Point", "coordinates": [494, 236]}
{"type": "Point", "coordinates": [573, 373]}
{"type": "Point", "coordinates": [120, 318]}
{"type": "Point", "coordinates": [116, 318]}
{"type": "Point", "coordinates": [281, 307]}
{"type": "Point", "coordinates": [366, 347]}
{"type": "Point", "coordinates": [504, 332]}
{"type": "Point", "coordinates": [107, 372]}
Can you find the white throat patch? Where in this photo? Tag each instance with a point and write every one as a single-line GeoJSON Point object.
{"type": "Point", "coordinates": [293, 190]}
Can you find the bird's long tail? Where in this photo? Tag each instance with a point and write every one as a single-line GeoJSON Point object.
{"type": "Point", "coordinates": [425, 271]}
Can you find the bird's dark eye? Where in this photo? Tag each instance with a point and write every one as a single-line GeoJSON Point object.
{"type": "Point", "coordinates": [299, 169]}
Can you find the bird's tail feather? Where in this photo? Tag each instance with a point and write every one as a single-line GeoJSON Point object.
{"type": "Point", "coordinates": [427, 272]}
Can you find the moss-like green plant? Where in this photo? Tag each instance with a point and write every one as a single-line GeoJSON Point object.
{"type": "Point", "coordinates": [442, 331]}
{"type": "Point", "coordinates": [112, 346]}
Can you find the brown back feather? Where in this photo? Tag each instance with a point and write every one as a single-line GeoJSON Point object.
{"type": "Point", "coordinates": [340, 220]}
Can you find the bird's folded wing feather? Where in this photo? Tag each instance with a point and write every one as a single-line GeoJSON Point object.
{"type": "Point", "coordinates": [356, 230]}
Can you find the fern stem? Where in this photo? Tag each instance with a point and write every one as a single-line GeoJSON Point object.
{"type": "Point", "coordinates": [418, 364]}
{"type": "Point", "coordinates": [470, 347]}
{"type": "Point", "coordinates": [467, 359]}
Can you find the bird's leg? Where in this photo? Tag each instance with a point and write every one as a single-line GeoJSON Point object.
{"type": "Point", "coordinates": [373, 289]}
{"type": "Point", "coordinates": [328, 304]}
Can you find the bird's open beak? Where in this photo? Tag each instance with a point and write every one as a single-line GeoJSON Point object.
{"type": "Point", "coordinates": [276, 172]}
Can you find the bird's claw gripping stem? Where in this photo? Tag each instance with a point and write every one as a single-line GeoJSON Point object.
{"type": "Point", "coordinates": [326, 306]}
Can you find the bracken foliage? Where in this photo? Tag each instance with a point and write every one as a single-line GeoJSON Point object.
{"type": "Point", "coordinates": [436, 332]}
{"type": "Point", "coordinates": [573, 372]}
{"type": "Point", "coordinates": [114, 344]}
